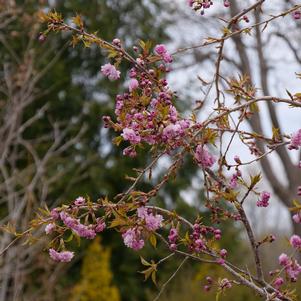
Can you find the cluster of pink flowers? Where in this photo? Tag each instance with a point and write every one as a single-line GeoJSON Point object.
{"type": "Point", "coordinates": [297, 14]}
{"type": "Point", "coordinates": [75, 225]}
{"type": "Point", "coordinates": [297, 217]}
{"type": "Point", "coordinates": [225, 284]}
{"type": "Point", "coordinates": [110, 71]}
{"type": "Point", "coordinates": [152, 222]}
{"type": "Point", "coordinates": [162, 51]}
{"type": "Point", "coordinates": [295, 241]}
{"type": "Point", "coordinates": [198, 238]}
{"type": "Point", "coordinates": [295, 140]}
{"type": "Point", "coordinates": [145, 113]}
{"type": "Point", "coordinates": [64, 256]}
{"type": "Point", "coordinates": [234, 179]}
{"type": "Point", "coordinates": [132, 239]}
{"type": "Point", "coordinates": [50, 228]}
{"type": "Point", "coordinates": [264, 199]}
{"type": "Point", "coordinates": [172, 239]}
{"type": "Point", "coordinates": [87, 231]}
{"type": "Point", "coordinates": [203, 157]}
{"type": "Point", "coordinates": [291, 266]}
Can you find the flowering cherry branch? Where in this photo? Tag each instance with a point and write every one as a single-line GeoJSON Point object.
{"type": "Point", "coordinates": [146, 116]}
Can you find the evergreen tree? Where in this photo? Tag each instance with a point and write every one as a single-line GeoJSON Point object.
{"type": "Point", "coordinates": [96, 276]}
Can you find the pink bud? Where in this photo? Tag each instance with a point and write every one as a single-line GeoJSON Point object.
{"type": "Point", "coordinates": [226, 3]}
{"type": "Point", "coordinates": [223, 253]}
{"type": "Point", "coordinates": [297, 15]}
{"type": "Point", "coordinates": [295, 241]}
{"type": "Point", "coordinates": [134, 84]}
{"type": "Point", "coordinates": [297, 218]}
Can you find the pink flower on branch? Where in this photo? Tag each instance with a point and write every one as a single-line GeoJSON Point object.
{"type": "Point", "coordinates": [110, 71]}
{"type": "Point", "coordinates": [132, 239]}
{"type": "Point", "coordinates": [131, 135]}
{"type": "Point", "coordinates": [152, 222]}
{"type": "Point", "coordinates": [64, 256]}
{"type": "Point", "coordinates": [203, 157]}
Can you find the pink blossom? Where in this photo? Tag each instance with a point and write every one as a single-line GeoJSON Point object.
{"type": "Point", "coordinates": [295, 140]}
{"type": "Point", "coordinates": [295, 241]}
{"type": "Point", "coordinates": [84, 231]}
{"type": "Point", "coordinates": [134, 84]}
{"type": "Point", "coordinates": [297, 218]}
{"type": "Point", "coordinates": [220, 261]}
{"type": "Point", "coordinates": [130, 152]}
{"type": "Point", "coordinates": [237, 159]}
{"type": "Point", "coordinates": [68, 220]}
{"type": "Point", "coordinates": [293, 269]}
{"type": "Point", "coordinates": [80, 201]}
{"type": "Point", "coordinates": [284, 259]}
{"type": "Point", "coordinates": [100, 226]}
{"type": "Point", "coordinates": [190, 2]}
{"type": "Point", "coordinates": [203, 157]}
{"type": "Point", "coordinates": [171, 131]}
{"type": "Point", "coordinates": [223, 253]}
{"type": "Point", "coordinates": [297, 14]}
{"type": "Point", "coordinates": [278, 282]}
{"type": "Point", "coordinates": [80, 229]}
{"type": "Point", "coordinates": [172, 247]}
{"type": "Point", "coordinates": [173, 114]}
{"type": "Point", "coordinates": [233, 181]}
{"type": "Point", "coordinates": [264, 199]}
{"type": "Point", "coordinates": [64, 256]}
{"type": "Point", "coordinates": [160, 49]}
{"type": "Point", "coordinates": [173, 235]}
{"type": "Point", "coordinates": [132, 239]}
{"type": "Point", "coordinates": [226, 3]}
{"type": "Point", "coordinates": [167, 58]}
{"type": "Point", "coordinates": [110, 71]}
{"type": "Point", "coordinates": [55, 214]}
{"type": "Point", "coordinates": [225, 283]}
{"type": "Point", "coordinates": [49, 228]}
{"type": "Point", "coordinates": [130, 134]}
{"type": "Point", "coordinates": [152, 222]}
{"type": "Point", "coordinates": [199, 245]}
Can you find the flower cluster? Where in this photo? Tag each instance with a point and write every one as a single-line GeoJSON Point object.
{"type": "Point", "coordinates": [291, 266]}
{"type": "Point", "coordinates": [65, 216]}
{"type": "Point", "coordinates": [163, 53]}
{"type": "Point", "coordinates": [295, 142]}
{"type": "Point", "coordinates": [264, 199]}
{"type": "Point", "coordinates": [295, 241]}
{"type": "Point", "coordinates": [132, 239]}
{"type": "Point", "coordinates": [297, 217]}
{"type": "Point", "coordinates": [203, 157]}
{"type": "Point", "coordinates": [110, 71]}
{"type": "Point", "coordinates": [64, 256]}
{"type": "Point", "coordinates": [145, 114]}
{"type": "Point", "coordinates": [146, 220]}
{"type": "Point", "coordinates": [152, 222]}
{"type": "Point", "coordinates": [234, 179]}
{"type": "Point", "coordinates": [172, 238]}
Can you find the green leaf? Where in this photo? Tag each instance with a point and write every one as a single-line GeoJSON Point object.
{"type": "Point", "coordinates": [144, 262]}
{"type": "Point", "coordinates": [153, 240]}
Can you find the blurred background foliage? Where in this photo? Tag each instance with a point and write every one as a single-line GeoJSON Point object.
{"type": "Point", "coordinates": [78, 95]}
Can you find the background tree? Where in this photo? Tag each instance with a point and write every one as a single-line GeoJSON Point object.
{"type": "Point", "coordinates": [96, 277]}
